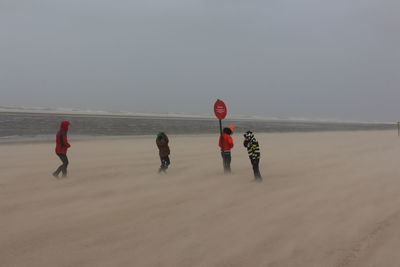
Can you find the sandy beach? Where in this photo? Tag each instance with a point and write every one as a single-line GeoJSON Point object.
{"type": "Point", "coordinates": [327, 199]}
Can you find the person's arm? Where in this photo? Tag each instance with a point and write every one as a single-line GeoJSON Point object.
{"type": "Point", "coordinates": [60, 139]}
{"type": "Point", "coordinates": [65, 140]}
{"type": "Point", "coordinates": [256, 150]}
{"type": "Point", "coordinates": [245, 143]}
{"type": "Point", "coordinates": [250, 150]}
{"type": "Point", "coordinates": [230, 141]}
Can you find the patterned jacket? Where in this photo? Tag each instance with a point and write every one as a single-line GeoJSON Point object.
{"type": "Point", "coordinates": [251, 143]}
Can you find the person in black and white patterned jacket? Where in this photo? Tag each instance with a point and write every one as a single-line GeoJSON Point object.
{"type": "Point", "coordinates": [253, 149]}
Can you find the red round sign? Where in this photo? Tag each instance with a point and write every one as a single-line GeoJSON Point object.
{"type": "Point", "coordinates": [220, 109]}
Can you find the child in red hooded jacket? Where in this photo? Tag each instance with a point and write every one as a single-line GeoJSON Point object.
{"type": "Point", "coordinates": [226, 144]}
{"type": "Point", "coordinates": [62, 146]}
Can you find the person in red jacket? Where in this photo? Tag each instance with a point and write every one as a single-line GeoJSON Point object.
{"type": "Point", "coordinates": [226, 144]}
{"type": "Point", "coordinates": [62, 146]}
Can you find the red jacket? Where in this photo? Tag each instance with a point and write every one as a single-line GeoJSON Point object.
{"type": "Point", "coordinates": [62, 144]}
{"type": "Point", "coordinates": [228, 142]}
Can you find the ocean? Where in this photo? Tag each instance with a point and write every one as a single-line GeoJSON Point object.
{"type": "Point", "coordinates": [42, 127]}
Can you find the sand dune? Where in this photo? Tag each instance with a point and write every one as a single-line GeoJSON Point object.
{"type": "Point", "coordinates": [327, 199]}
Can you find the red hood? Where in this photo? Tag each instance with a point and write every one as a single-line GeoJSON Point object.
{"type": "Point", "coordinates": [64, 125]}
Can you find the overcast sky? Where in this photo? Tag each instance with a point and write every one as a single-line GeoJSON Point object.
{"type": "Point", "coordinates": [334, 59]}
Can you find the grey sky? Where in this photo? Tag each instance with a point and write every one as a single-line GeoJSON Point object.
{"type": "Point", "coordinates": [288, 58]}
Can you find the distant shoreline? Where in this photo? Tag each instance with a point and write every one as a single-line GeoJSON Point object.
{"type": "Point", "coordinates": [94, 114]}
{"type": "Point", "coordinates": [93, 138]}
{"type": "Point", "coordinates": [102, 115]}
{"type": "Point", "coordinates": [40, 126]}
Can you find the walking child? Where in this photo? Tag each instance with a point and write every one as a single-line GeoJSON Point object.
{"type": "Point", "coordinates": [162, 144]}
{"type": "Point", "coordinates": [253, 149]}
{"type": "Point", "coordinates": [62, 146]}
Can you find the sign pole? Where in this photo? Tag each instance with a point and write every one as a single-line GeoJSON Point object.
{"type": "Point", "coordinates": [220, 136]}
{"type": "Point", "coordinates": [398, 128]}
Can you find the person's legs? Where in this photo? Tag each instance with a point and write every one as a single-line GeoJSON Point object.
{"type": "Point", "coordinates": [64, 159]}
{"type": "Point", "coordinates": [57, 172]}
{"type": "Point", "coordinates": [226, 159]}
{"type": "Point", "coordinates": [164, 163]}
{"type": "Point", "coordinates": [63, 167]}
{"type": "Point", "coordinates": [167, 161]}
{"type": "Point", "coordinates": [223, 160]}
{"type": "Point", "coordinates": [256, 169]}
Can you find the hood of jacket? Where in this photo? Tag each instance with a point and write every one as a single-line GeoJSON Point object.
{"type": "Point", "coordinates": [249, 136]}
{"type": "Point", "coordinates": [64, 125]}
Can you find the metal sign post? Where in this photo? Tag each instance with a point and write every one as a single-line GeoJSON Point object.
{"type": "Point", "coordinates": [398, 128]}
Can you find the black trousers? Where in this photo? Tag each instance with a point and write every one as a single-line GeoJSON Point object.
{"type": "Point", "coordinates": [256, 169]}
{"type": "Point", "coordinates": [226, 161]}
{"type": "Point", "coordinates": [63, 166]}
{"type": "Point", "coordinates": [165, 162]}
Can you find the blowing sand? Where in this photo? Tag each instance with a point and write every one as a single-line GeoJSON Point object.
{"type": "Point", "coordinates": [327, 199]}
